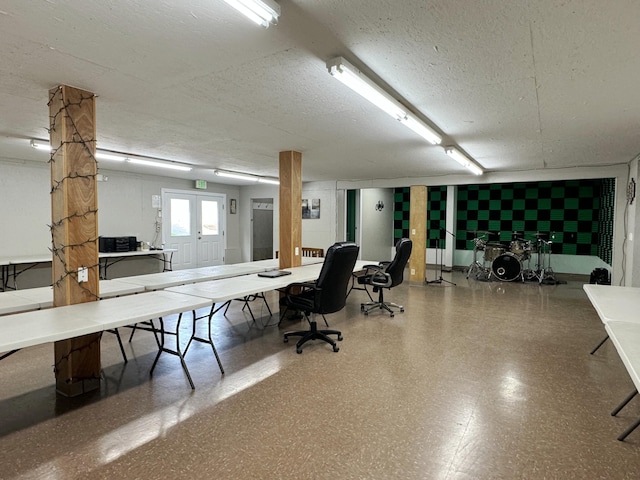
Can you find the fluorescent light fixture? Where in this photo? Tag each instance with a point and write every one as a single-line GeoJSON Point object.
{"type": "Point", "coordinates": [109, 156]}
{"type": "Point", "coordinates": [270, 181]}
{"type": "Point", "coordinates": [421, 129]}
{"type": "Point", "coordinates": [40, 145]}
{"type": "Point", "coordinates": [246, 177]}
{"type": "Point", "coordinates": [353, 78]}
{"type": "Point", "coordinates": [236, 175]}
{"type": "Point", "coordinates": [153, 163]}
{"type": "Point", "coordinates": [463, 160]}
{"type": "Point", "coordinates": [262, 12]}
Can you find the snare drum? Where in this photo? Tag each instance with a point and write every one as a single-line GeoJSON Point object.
{"type": "Point", "coordinates": [507, 267]}
{"type": "Point", "coordinates": [493, 251]}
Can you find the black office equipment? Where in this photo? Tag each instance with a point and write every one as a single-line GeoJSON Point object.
{"type": "Point", "coordinates": [274, 273]}
{"type": "Point", "coordinates": [117, 244]}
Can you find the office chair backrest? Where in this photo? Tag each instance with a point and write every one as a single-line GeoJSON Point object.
{"type": "Point", "coordinates": [334, 277]}
{"type": "Point", "coordinates": [396, 268]}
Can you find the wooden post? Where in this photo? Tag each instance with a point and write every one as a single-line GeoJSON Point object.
{"type": "Point", "coordinates": [418, 233]}
{"type": "Point", "coordinates": [290, 246]}
{"type": "Point", "coordinates": [74, 230]}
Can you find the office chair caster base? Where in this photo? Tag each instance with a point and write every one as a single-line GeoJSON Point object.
{"type": "Point", "coordinates": [314, 334]}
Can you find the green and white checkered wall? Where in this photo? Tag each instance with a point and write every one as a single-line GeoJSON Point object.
{"type": "Point", "coordinates": [576, 215]}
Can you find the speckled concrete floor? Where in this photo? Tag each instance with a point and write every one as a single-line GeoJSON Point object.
{"type": "Point", "coordinates": [482, 380]}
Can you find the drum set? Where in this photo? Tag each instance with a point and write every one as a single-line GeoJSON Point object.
{"type": "Point", "coordinates": [512, 261]}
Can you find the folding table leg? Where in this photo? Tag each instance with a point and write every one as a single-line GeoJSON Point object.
{"type": "Point", "coordinates": [629, 430]}
{"type": "Point", "coordinates": [209, 339]}
{"type": "Point", "coordinates": [599, 345]}
{"type": "Point", "coordinates": [624, 402]}
{"type": "Point", "coordinates": [176, 352]}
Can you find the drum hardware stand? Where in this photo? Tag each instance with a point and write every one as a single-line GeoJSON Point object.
{"type": "Point", "coordinates": [440, 279]}
{"type": "Point", "coordinates": [477, 269]}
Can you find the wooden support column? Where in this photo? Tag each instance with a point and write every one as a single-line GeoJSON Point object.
{"type": "Point", "coordinates": [290, 209]}
{"type": "Point", "coordinates": [74, 230]}
{"type": "Point", "coordinates": [418, 233]}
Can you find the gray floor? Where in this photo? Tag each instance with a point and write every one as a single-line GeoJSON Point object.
{"type": "Point", "coordinates": [482, 380]}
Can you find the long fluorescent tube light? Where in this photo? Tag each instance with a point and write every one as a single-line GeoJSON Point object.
{"type": "Point", "coordinates": [270, 181]}
{"type": "Point", "coordinates": [353, 78]}
{"type": "Point", "coordinates": [463, 160]}
{"type": "Point", "coordinates": [237, 176]}
{"type": "Point", "coordinates": [40, 145]}
{"type": "Point", "coordinates": [109, 156]}
{"type": "Point", "coordinates": [262, 12]}
{"type": "Point", "coordinates": [151, 163]}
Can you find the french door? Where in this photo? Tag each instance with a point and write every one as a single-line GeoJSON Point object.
{"type": "Point", "coordinates": [194, 224]}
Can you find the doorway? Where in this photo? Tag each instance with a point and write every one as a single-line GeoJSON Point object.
{"type": "Point", "coordinates": [194, 225]}
{"type": "Point", "coordinates": [261, 228]}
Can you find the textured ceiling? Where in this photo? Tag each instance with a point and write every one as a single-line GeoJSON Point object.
{"type": "Point", "coordinates": [517, 85]}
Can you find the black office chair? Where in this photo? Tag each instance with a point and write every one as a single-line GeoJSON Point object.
{"type": "Point", "coordinates": [386, 275]}
{"type": "Point", "coordinates": [328, 294]}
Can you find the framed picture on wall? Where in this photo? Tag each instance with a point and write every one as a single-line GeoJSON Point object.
{"type": "Point", "coordinates": [232, 206]}
{"type": "Point", "coordinates": [311, 208]}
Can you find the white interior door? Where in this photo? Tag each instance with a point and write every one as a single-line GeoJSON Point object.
{"type": "Point", "coordinates": [209, 230]}
{"type": "Point", "coordinates": [194, 225]}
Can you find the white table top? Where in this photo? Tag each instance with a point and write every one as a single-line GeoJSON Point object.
{"type": "Point", "coordinates": [108, 289]}
{"type": "Point", "coordinates": [626, 338]}
{"type": "Point", "coordinates": [135, 253]}
{"type": "Point", "coordinates": [615, 303]}
{"type": "Point", "coordinates": [10, 302]}
{"type": "Point", "coordinates": [158, 281]}
{"type": "Point", "coordinates": [222, 290]}
{"type": "Point", "coordinates": [41, 326]}
{"type": "Point", "coordinates": [46, 257]}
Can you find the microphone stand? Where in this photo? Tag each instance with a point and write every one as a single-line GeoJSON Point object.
{"type": "Point", "coordinates": [440, 279]}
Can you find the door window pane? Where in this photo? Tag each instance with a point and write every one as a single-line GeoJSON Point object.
{"type": "Point", "coordinates": [210, 223]}
{"type": "Point", "coordinates": [180, 218]}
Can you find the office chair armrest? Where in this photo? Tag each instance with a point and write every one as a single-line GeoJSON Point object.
{"type": "Point", "coordinates": [380, 279]}
{"type": "Point", "coordinates": [372, 269]}
{"type": "Point", "coordinates": [301, 285]}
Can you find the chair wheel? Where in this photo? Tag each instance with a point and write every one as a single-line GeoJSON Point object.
{"type": "Point", "coordinates": [339, 338]}
{"type": "Point", "coordinates": [392, 315]}
{"type": "Point", "coordinates": [361, 306]}
{"type": "Point", "coordinates": [298, 350]}
{"type": "Point", "coordinates": [336, 348]}
{"type": "Point", "coordinates": [401, 310]}
{"type": "Point", "coordinates": [366, 312]}
{"type": "Point", "coordinates": [286, 339]}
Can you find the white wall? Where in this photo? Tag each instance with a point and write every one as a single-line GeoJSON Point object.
{"type": "Point", "coordinates": [124, 209]}
{"type": "Point", "coordinates": [317, 233]}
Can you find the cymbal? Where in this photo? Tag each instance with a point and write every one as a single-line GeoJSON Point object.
{"type": "Point", "coordinates": [541, 234]}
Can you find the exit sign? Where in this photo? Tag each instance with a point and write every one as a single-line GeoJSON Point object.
{"type": "Point", "coordinates": [202, 184]}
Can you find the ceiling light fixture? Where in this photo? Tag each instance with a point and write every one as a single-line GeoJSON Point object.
{"type": "Point", "coordinates": [40, 145]}
{"type": "Point", "coordinates": [353, 78]}
{"type": "Point", "coordinates": [236, 175]}
{"type": "Point", "coordinates": [246, 177]}
{"type": "Point", "coordinates": [262, 12]}
{"type": "Point", "coordinates": [154, 163]}
{"type": "Point", "coordinates": [463, 160]}
{"type": "Point", "coordinates": [109, 156]}
{"type": "Point", "coordinates": [270, 181]}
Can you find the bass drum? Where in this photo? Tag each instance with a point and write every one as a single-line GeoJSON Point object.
{"type": "Point", "coordinates": [507, 267]}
